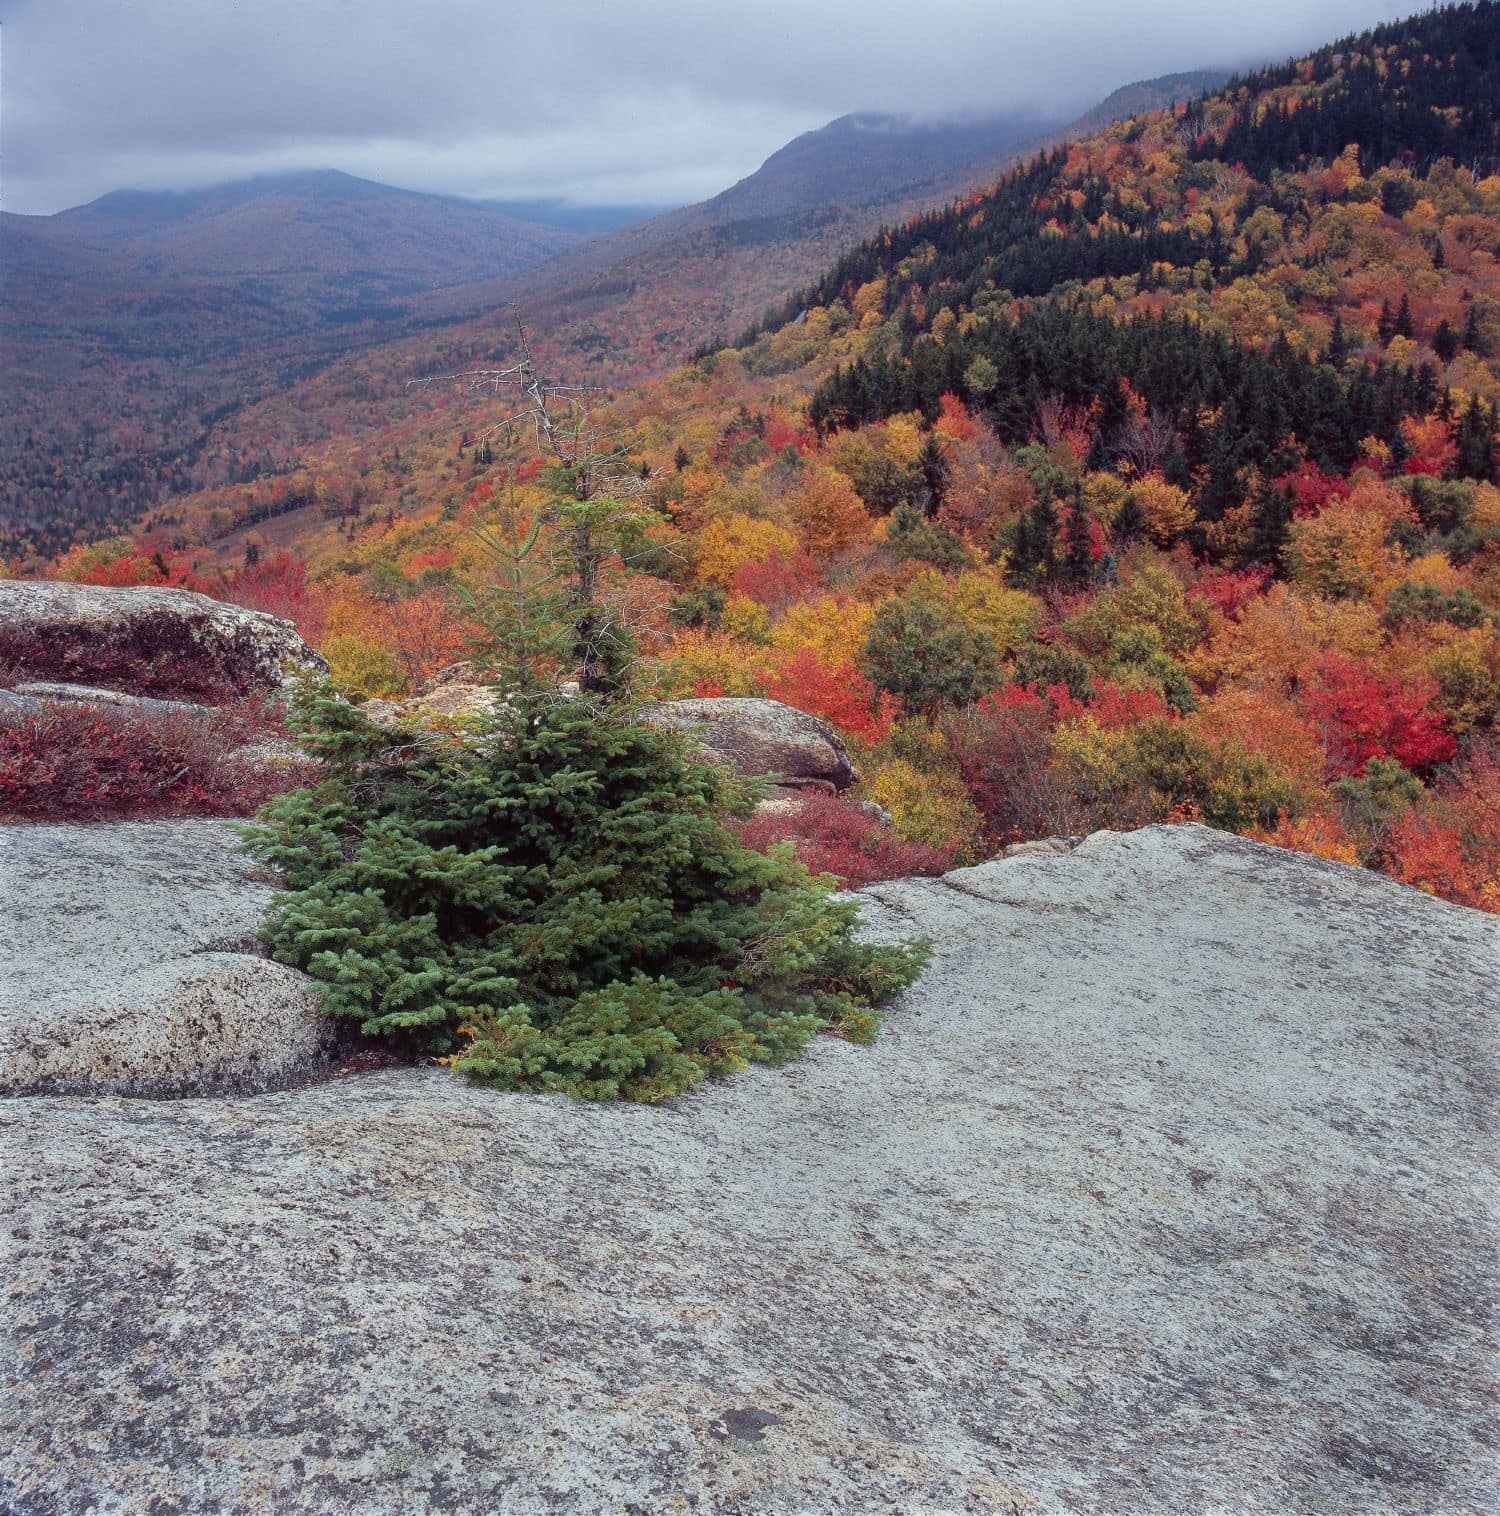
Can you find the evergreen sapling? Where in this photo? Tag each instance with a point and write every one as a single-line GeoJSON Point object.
{"type": "Point", "coordinates": [555, 903]}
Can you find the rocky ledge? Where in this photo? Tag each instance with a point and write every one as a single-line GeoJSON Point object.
{"type": "Point", "coordinates": [131, 964]}
{"type": "Point", "coordinates": [149, 641]}
{"type": "Point", "coordinates": [756, 737]}
{"type": "Point", "coordinates": [1170, 1188]}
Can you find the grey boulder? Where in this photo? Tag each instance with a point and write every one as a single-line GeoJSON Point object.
{"type": "Point", "coordinates": [164, 643]}
{"type": "Point", "coordinates": [752, 736]}
{"type": "Point", "coordinates": [1171, 1188]}
{"type": "Point", "coordinates": [130, 964]}
{"type": "Point", "coordinates": [762, 737]}
{"type": "Point", "coordinates": [108, 701]}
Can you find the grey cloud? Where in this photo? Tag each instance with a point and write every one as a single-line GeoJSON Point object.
{"type": "Point", "coordinates": [653, 99]}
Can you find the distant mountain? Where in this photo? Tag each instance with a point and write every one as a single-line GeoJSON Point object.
{"type": "Point", "coordinates": [322, 232]}
{"type": "Point", "coordinates": [627, 304]}
{"type": "Point", "coordinates": [861, 159]}
{"type": "Point", "coordinates": [867, 159]}
{"type": "Point", "coordinates": [1147, 95]}
{"type": "Point", "coordinates": [581, 220]}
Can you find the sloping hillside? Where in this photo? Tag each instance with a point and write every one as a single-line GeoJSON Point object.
{"type": "Point", "coordinates": [624, 306]}
{"type": "Point", "coordinates": [130, 325]}
{"type": "Point", "coordinates": [200, 304]}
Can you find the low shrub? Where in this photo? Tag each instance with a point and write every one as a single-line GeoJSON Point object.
{"type": "Point", "coordinates": [74, 762]}
{"type": "Point", "coordinates": [1003, 751]}
{"type": "Point", "coordinates": [833, 836]}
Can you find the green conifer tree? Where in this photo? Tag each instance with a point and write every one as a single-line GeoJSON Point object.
{"type": "Point", "coordinates": [1078, 544]}
{"type": "Point", "coordinates": [557, 904]}
{"type": "Point", "coordinates": [928, 658]}
{"type": "Point", "coordinates": [1130, 520]}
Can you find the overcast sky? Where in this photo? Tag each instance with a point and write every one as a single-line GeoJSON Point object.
{"type": "Point", "coordinates": [639, 101]}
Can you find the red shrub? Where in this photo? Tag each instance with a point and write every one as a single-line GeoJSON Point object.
{"type": "Point", "coordinates": [1111, 706]}
{"type": "Point", "coordinates": [1430, 445]}
{"type": "Point", "coordinates": [278, 585]}
{"type": "Point", "coordinates": [841, 695]}
{"type": "Point", "coordinates": [955, 420]}
{"type": "Point", "coordinates": [1115, 708]}
{"type": "Point", "coordinates": [1310, 489]}
{"type": "Point", "coordinates": [1449, 842]}
{"type": "Point", "coordinates": [1022, 697]}
{"type": "Point", "coordinates": [835, 837]}
{"type": "Point", "coordinates": [781, 432]}
{"type": "Point", "coordinates": [1003, 750]}
{"type": "Point", "coordinates": [1230, 593]}
{"type": "Point", "coordinates": [776, 582]}
{"type": "Point", "coordinates": [73, 762]}
{"type": "Point", "coordinates": [125, 567]}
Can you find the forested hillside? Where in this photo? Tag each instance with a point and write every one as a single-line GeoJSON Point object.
{"type": "Point", "coordinates": [1155, 481]}
{"type": "Point", "coordinates": [161, 343]}
{"type": "Point", "coordinates": [133, 324]}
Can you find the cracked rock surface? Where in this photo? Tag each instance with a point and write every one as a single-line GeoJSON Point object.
{"type": "Point", "coordinates": [1171, 1188]}
{"type": "Point", "coordinates": [130, 964]}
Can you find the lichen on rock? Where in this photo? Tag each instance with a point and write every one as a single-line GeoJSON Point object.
{"type": "Point", "coordinates": [1171, 1187]}
{"type": "Point", "coordinates": [163, 643]}
{"type": "Point", "coordinates": [131, 964]}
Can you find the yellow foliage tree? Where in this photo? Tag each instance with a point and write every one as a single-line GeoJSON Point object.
{"type": "Point", "coordinates": [827, 512]}
{"type": "Point", "coordinates": [1282, 635]}
{"type": "Point", "coordinates": [1104, 494]}
{"type": "Point", "coordinates": [1342, 552]}
{"type": "Point", "coordinates": [835, 629]}
{"type": "Point", "coordinates": [869, 302]}
{"type": "Point", "coordinates": [1267, 723]}
{"type": "Point", "coordinates": [926, 807]}
{"type": "Point", "coordinates": [1322, 834]}
{"type": "Point", "coordinates": [1438, 570]}
{"type": "Point", "coordinates": [729, 542]}
{"type": "Point", "coordinates": [697, 661]}
{"type": "Point", "coordinates": [361, 668]}
{"type": "Point", "coordinates": [1164, 507]}
{"type": "Point", "coordinates": [1486, 514]}
{"type": "Point", "coordinates": [901, 438]}
{"type": "Point", "coordinates": [746, 619]}
{"type": "Point", "coordinates": [1011, 617]}
{"type": "Point", "coordinates": [1465, 661]}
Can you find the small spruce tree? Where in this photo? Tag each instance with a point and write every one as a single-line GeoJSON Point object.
{"type": "Point", "coordinates": [556, 904]}
{"type": "Point", "coordinates": [1130, 521]}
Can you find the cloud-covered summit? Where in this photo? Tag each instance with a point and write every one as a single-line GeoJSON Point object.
{"type": "Point", "coordinates": [648, 101]}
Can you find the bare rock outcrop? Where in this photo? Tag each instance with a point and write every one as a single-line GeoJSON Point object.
{"type": "Point", "coordinates": [1171, 1188]}
{"type": "Point", "coordinates": [762, 737]}
{"type": "Point", "coordinates": [130, 964]}
{"type": "Point", "coordinates": [161, 643]}
{"type": "Point", "coordinates": [752, 736]}
{"type": "Point", "coordinates": [457, 692]}
{"type": "Point", "coordinates": [104, 701]}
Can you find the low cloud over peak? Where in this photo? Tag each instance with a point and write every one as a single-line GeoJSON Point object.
{"type": "Point", "coordinates": [655, 101]}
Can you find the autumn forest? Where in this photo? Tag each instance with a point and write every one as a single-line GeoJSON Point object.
{"type": "Point", "coordinates": [1155, 481]}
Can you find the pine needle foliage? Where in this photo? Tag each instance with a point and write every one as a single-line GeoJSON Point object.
{"type": "Point", "coordinates": [555, 903]}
